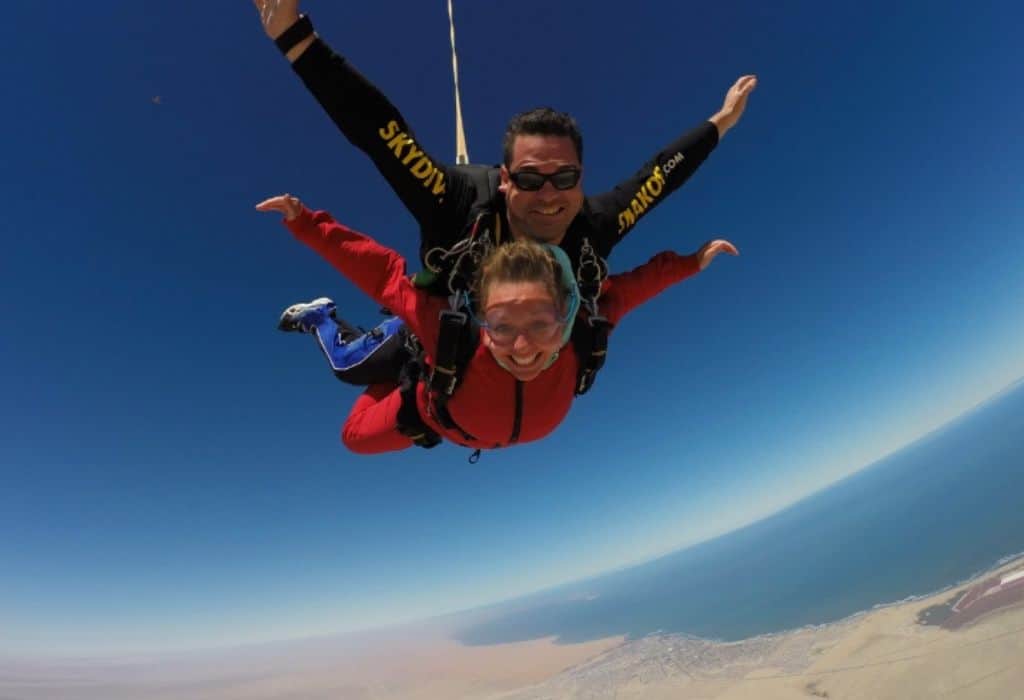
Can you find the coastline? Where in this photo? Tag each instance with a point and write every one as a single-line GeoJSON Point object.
{"type": "Point", "coordinates": [896, 650]}
{"type": "Point", "coordinates": [889, 651]}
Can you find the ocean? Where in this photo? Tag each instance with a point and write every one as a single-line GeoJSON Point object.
{"type": "Point", "coordinates": [923, 519]}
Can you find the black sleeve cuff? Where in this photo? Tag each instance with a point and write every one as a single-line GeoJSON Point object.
{"type": "Point", "coordinates": [302, 29]}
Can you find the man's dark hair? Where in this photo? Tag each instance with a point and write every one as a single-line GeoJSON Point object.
{"type": "Point", "coordinates": [542, 121]}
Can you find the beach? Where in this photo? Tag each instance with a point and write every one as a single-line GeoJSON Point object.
{"type": "Point", "coordinates": [932, 647]}
{"type": "Point", "coordinates": [889, 652]}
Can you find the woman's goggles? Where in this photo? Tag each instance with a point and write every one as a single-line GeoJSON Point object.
{"type": "Point", "coordinates": [536, 331]}
{"type": "Point", "coordinates": [543, 328]}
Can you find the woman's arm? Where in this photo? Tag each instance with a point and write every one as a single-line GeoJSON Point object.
{"type": "Point", "coordinates": [626, 291]}
{"type": "Point", "coordinates": [377, 270]}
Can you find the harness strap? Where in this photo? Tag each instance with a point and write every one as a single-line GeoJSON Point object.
{"type": "Point", "coordinates": [409, 421]}
{"type": "Point", "coordinates": [444, 376]}
{"type": "Point", "coordinates": [477, 245]}
{"type": "Point", "coordinates": [454, 350]}
{"type": "Point", "coordinates": [591, 328]}
{"type": "Point", "coordinates": [439, 409]}
{"type": "Point", "coordinates": [590, 338]}
{"type": "Point", "coordinates": [591, 272]}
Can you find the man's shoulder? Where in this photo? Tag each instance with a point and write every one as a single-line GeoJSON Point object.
{"type": "Point", "coordinates": [480, 182]}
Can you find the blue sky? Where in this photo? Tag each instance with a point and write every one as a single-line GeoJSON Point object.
{"type": "Point", "coordinates": [171, 464]}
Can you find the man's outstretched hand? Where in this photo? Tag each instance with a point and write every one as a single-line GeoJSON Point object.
{"type": "Point", "coordinates": [277, 15]}
{"type": "Point", "coordinates": [734, 104]}
{"type": "Point", "coordinates": [284, 203]}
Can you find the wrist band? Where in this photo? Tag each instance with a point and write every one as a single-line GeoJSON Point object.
{"type": "Point", "coordinates": [293, 35]}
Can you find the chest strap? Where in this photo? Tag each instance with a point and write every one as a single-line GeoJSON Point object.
{"type": "Point", "coordinates": [456, 344]}
{"type": "Point", "coordinates": [590, 340]}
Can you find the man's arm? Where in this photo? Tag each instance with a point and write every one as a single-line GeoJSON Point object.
{"type": "Point", "coordinates": [428, 188]}
{"type": "Point", "coordinates": [617, 212]}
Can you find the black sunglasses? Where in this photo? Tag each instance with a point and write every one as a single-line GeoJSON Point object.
{"type": "Point", "coordinates": [531, 181]}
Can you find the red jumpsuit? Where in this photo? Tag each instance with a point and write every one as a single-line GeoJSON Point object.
{"type": "Point", "coordinates": [490, 404]}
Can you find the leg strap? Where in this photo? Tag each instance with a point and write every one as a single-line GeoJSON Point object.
{"type": "Point", "coordinates": [410, 423]}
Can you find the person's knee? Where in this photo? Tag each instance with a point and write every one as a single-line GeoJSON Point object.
{"type": "Point", "coordinates": [354, 440]}
{"type": "Point", "coordinates": [371, 443]}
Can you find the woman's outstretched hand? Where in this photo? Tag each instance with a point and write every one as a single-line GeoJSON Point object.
{"type": "Point", "coordinates": [709, 250]}
{"type": "Point", "coordinates": [287, 204]}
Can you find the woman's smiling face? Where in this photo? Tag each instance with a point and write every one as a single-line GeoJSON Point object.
{"type": "Point", "coordinates": [523, 326]}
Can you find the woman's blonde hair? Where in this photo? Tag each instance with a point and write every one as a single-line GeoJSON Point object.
{"type": "Point", "coordinates": [521, 261]}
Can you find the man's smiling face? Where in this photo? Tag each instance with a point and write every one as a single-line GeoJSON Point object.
{"type": "Point", "coordinates": [543, 215]}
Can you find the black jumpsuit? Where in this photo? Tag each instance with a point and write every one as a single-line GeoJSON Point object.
{"type": "Point", "coordinates": [440, 196]}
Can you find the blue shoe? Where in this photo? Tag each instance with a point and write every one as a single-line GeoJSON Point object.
{"type": "Point", "coordinates": [304, 318]}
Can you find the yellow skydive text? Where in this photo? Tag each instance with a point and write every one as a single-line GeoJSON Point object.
{"type": "Point", "coordinates": [403, 146]}
{"type": "Point", "coordinates": [648, 192]}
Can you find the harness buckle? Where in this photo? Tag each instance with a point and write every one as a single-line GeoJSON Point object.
{"type": "Point", "coordinates": [446, 359]}
{"type": "Point", "coordinates": [452, 379]}
{"type": "Point", "coordinates": [592, 270]}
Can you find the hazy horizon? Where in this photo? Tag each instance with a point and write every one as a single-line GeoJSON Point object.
{"type": "Point", "coordinates": [359, 636]}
